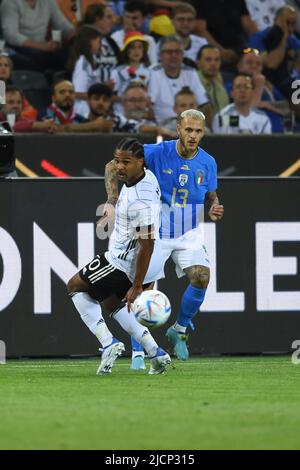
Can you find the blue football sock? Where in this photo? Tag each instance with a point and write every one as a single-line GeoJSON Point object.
{"type": "Point", "coordinates": [136, 346]}
{"type": "Point", "coordinates": [190, 304]}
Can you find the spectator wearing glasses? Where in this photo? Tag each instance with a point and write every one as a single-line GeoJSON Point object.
{"type": "Point", "coordinates": [209, 66]}
{"type": "Point", "coordinates": [184, 21]}
{"type": "Point", "coordinates": [278, 45]}
{"type": "Point", "coordinates": [25, 25]}
{"type": "Point", "coordinates": [240, 117]}
{"type": "Point", "coordinates": [169, 77]}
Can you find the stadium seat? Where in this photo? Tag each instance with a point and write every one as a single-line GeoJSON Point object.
{"type": "Point", "coordinates": [34, 86]}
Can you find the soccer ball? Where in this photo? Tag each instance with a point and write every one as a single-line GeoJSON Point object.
{"type": "Point", "coordinates": [151, 308]}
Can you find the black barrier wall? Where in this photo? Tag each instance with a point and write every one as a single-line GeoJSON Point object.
{"type": "Point", "coordinates": [86, 155]}
{"type": "Point", "coordinates": [47, 231]}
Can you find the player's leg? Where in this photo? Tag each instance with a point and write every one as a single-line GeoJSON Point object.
{"type": "Point", "coordinates": [193, 296]}
{"type": "Point", "coordinates": [160, 359]}
{"type": "Point", "coordinates": [86, 289]}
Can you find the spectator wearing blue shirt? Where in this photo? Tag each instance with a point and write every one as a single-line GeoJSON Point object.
{"type": "Point", "coordinates": [278, 45]}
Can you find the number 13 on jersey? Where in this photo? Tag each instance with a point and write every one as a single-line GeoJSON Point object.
{"type": "Point", "coordinates": [181, 195]}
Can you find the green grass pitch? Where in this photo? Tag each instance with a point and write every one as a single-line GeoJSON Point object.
{"type": "Point", "coordinates": [205, 403]}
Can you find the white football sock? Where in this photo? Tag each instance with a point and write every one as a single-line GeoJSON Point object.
{"type": "Point", "coordinates": [91, 314]}
{"type": "Point", "coordinates": [179, 328]}
{"type": "Point", "coordinates": [134, 328]}
{"type": "Point", "coordinates": [137, 353]}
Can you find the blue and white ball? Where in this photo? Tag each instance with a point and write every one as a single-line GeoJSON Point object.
{"type": "Point", "coordinates": [152, 308]}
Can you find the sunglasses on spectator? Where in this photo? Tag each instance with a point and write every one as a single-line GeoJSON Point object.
{"type": "Point", "coordinates": [250, 50]}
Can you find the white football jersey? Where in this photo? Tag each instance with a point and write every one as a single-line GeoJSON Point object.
{"type": "Point", "coordinates": [138, 207]}
{"type": "Point", "coordinates": [196, 42]}
{"type": "Point", "coordinates": [162, 90]}
{"type": "Point", "coordinates": [230, 121]}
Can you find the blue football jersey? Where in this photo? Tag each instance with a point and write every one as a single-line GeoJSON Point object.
{"type": "Point", "coordinates": [183, 183]}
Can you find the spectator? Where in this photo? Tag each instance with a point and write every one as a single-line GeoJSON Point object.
{"type": "Point", "coordinates": [263, 12]}
{"type": "Point", "coordinates": [278, 44]}
{"type": "Point", "coordinates": [184, 99]}
{"type": "Point", "coordinates": [136, 104]}
{"type": "Point", "coordinates": [25, 25]}
{"type": "Point", "coordinates": [62, 111]}
{"type": "Point", "coordinates": [12, 112]}
{"type": "Point", "coordinates": [101, 17]}
{"type": "Point", "coordinates": [184, 20]}
{"type": "Point", "coordinates": [84, 64]}
{"type": "Point", "coordinates": [209, 66]}
{"type": "Point", "coordinates": [296, 5]}
{"type": "Point", "coordinates": [226, 25]}
{"type": "Point", "coordinates": [133, 66]}
{"type": "Point", "coordinates": [265, 96]}
{"type": "Point", "coordinates": [75, 10]}
{"type": "Point", "coordinates": [6, 69]}
{"type": "Point", "coordinates": [239, 117]}
{"type": "Point", "coordinates": [171, 76]}
{"type": "Point", "coordinates": [134, 17]}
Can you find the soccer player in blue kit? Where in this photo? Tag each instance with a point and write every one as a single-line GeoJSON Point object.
{"type": "Point", "coordinates": [187, 176]}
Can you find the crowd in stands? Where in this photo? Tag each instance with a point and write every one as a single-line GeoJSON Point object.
{"type": "Point", "coordinates": [135, 65]}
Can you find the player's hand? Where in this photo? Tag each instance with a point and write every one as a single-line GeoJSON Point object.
{"type": "Point", "coordinates": [131, 295]}
{"type": "Point", "coordinates": [216, 212]}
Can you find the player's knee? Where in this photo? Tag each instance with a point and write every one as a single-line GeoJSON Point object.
{"type": "Point", "coordinates": [200, 277]}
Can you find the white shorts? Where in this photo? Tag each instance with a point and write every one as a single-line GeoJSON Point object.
{"type": "Point", "coordinates": [187, 250]}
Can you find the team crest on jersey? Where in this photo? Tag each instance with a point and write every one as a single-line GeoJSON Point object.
{"type": "Point", "coordinates": [168, 171]}
{"type": "Point", "coordinates": [199, 176]}
{"type": "Point", "coordinates": [183, 179]}
{"type": "Point", "coordinates": [184, 167]}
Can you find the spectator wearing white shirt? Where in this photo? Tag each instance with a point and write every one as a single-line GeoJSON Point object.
{"type": "Point", "coordinates": [134, 65]}
{"type": "Point", "coordinates": [239, 117]}
{"type": "Point", "coordinates": [184, 21]}
{"type": "Point", "coordinates": [170, 77]}
{"type": "Point", "coordinates": [84, 65]}
{"type": "Point", "coordinates": [263, 12]}
{"type": "Point", "coordinates": [134, 16]}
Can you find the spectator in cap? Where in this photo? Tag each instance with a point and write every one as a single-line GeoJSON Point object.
{"type": "Point", "coordinates": [133, 65]}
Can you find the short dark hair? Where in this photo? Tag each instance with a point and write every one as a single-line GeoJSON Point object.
{"type": "Point", "coordinates": [246, 75]}
{"type": "Point", "coordinates": [133, 146]}
{"type": "Point", "coordinates": [185, 91]}
{"type": "Point", "coordinates": [204, 48]}
{"type": "Point", "coordinates": [136, 5]}
{"type": "Point", "coordinates": [13, 89]}
{"type": "Point", "coordinates": [100, 89]}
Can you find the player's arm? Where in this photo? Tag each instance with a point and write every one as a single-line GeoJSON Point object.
{"type": "Point", "coordinates": [216, 209]}
{"type": "Point", "coordinates": [112, 190]}
{"type": "Point", "coordinates": [146, 245]}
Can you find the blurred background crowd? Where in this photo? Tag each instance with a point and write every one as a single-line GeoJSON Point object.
{"type": "Point", "coordinates": [116, 66]}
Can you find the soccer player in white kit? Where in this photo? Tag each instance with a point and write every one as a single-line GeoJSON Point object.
{"type": "Point", "coordinates": [132, 263]}
{"type": "Point", "coordinates": [187, 176]}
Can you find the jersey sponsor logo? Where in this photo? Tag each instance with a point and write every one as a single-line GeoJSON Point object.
{"type": "Point", "coordinates": [199, 176]}
{"type": "Point", "coordinates": [168, 171]}
{"type": "Point", "coordinates": [183, 179]}
{"type": "Point", "coordinates": [184, 167]}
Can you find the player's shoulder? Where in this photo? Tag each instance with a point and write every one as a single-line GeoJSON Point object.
{"type": "Point", "coordinates": [205, 157]}
{"type": "Point", "coordinates": [162, 147]}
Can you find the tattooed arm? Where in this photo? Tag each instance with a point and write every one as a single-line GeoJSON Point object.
{"type": "Point", "coordinates": [111, 183]}
{"type": "Point", "coordinates": [112, 189]}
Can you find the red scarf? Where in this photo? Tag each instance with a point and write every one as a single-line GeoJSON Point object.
{"type": "Point", "coordinates": [61, 116]}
